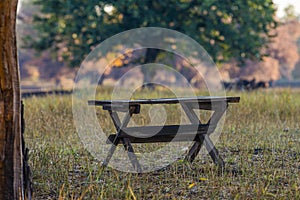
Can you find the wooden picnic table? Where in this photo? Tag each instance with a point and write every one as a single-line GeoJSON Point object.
{"type": "Point", "coordinates": [196, 131]}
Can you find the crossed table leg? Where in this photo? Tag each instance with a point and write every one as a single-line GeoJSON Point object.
{"type": "Point", "coordinates": [200, 139]}
{"type": "Point", "coordinates": [127, 145]}
{"type": "Point", "coordinates": [204, 138]}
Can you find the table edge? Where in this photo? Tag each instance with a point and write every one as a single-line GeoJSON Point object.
{"type": "Point", "coordinates": [205, 99]}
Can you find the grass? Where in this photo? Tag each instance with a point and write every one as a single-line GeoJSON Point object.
{"type": "Point", "coordinates": [260, 143]}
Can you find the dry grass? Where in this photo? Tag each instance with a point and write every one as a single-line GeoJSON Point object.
{"type": "Point", "coordinates": [260, 144]}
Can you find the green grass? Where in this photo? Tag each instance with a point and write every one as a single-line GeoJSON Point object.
{"type": "Point", "coordinates": [260, 143]}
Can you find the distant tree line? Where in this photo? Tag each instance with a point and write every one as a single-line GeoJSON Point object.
{"type": "Point", "coordinates": [226, 29]}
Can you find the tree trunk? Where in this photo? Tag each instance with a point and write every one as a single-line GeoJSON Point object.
{"type": "Point", "coordinates": [150, 57]}
{"type": "Point", "coordinates": [11, 158]}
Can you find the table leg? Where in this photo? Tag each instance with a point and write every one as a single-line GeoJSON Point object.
{"type": "Point", "coordinates": [110, 153]}
{"type": "Point", "coordinates": [194, 119]}
{"type": "Point", "coordinates": [213, 152]}
{"type": "Point", "coordinates": [195, 149]}
{"type": "Point", "coordinates": [134, 161]}
{"type": "Point", "coordinates": [126, 142]}
{"type": "Point", "coordinates": [118, 126]}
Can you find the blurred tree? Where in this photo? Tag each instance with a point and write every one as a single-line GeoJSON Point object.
{"type": "Point", "coordinates": [290, 13]}
{"type": "Point", "coordinates": [226, 29]}
{"type": "Point", "coordinates": [284, 47]}
{"type": "Point", "coordinates": [283, 60]}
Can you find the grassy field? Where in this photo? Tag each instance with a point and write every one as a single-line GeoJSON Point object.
{"type": "Point", "coordinates": [260, 143]}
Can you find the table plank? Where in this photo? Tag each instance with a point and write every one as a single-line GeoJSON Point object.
{"type": "Point", "coordinates": [167, 133]}
{"type": "Point", "coordinates": [199, 99]}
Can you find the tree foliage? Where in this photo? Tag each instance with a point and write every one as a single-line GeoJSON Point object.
{"type": "Point", "coordinates": [290, 13]}
{"type": "Point", "coordinates": [226, 29]}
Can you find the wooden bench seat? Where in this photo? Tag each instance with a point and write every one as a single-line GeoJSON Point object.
{"type": "Point", "coordinates": [166, 133]}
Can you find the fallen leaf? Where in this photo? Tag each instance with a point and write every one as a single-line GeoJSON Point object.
{"type": "Point", "coordinates": [203, 179]}
{"type": "Point", "coordinates": [191, 185]}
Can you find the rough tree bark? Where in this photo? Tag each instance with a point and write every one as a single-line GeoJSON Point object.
{"type": "Point", "coordinates": [11, 156]}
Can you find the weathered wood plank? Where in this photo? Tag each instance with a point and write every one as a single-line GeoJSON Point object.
{"type": "Point", "coordinates": [199, 100]}
{"type": "Point", "coordinates": [150, 134]}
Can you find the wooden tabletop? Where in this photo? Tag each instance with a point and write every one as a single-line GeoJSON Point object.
{"type": "Point", "coordinates": [198, 99]}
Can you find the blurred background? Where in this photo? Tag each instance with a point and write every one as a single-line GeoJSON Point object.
{"type": "Point", "coordinates": [248, 40]}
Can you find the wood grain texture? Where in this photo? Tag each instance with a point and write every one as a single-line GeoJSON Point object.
{"type": "Point", "coordinates": [11, 169]}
